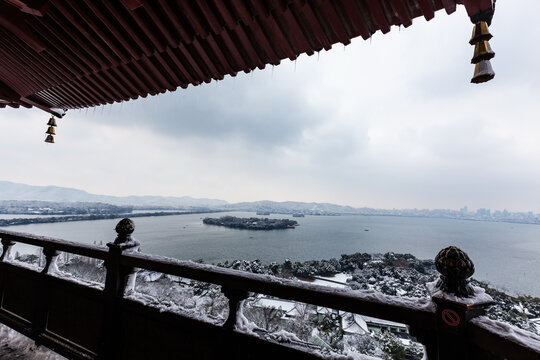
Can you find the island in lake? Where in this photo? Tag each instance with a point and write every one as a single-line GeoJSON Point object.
{"type": "Point", "coordinates": [251, 223]}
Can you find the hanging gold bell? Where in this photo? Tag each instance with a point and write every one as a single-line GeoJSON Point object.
{"type": "Point", "coordinates": [483, 72]}
{"type": "Point", "coordinates": [482, 51]}
{"type": "Point", "coordinates": [480, 33]}
{"type": "Point", "coordinates": [52, 121]}
{"type": "Point", "coordinates": [49, 139]}
{"type": "Point", "coordinates": [50, 131]}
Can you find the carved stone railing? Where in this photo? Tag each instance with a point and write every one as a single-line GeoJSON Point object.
{"type": "Point", "coordinates": [85, 322]}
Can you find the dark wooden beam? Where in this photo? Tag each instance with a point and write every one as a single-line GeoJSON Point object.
{"type": "Point", "coordinates": [476, 6]}
{"type": "Point", "coordinates": [7, 93]}
{"type": "Point", "coordinates": [32, 7]}
{"type": "Point", "coordinates": [449, 6]}
{"type": "Point", "coordinates": [425, 5]}
{"type": "Point", "coordinates": [132, 4]}
{"type": "Point", "coordinates": [402, 12]}
{"type": "Point", "coordinates": [378, 15]}
{"type": "Point", "coordinates": [13, 21]}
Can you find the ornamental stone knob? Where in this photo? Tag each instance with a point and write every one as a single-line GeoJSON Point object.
{"type": "Point", "coordinates": [124, 229]}
{"type": "Point", "coordinates": [455, 267]}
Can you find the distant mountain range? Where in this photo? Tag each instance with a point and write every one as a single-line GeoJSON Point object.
{"type": "Point", "coordinates": [312, 208]}
{"type": "Point", "coordinates": [16, 191]}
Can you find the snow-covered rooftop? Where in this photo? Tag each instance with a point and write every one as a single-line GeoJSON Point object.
{"type": "Point", "coordinates": [369, 319]}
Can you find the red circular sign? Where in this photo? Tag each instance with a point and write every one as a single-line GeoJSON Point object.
{"type": "Point", "coordinates": [450, 317]}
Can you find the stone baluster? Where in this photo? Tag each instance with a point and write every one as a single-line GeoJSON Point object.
{"type": "Point", "coordinates": [7, 244]}
{"type": "Point", "coordinates": [50, 260]}
{"type": "Point", "coordinates": [235, 302]}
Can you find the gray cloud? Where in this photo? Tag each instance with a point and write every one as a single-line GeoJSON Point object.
{"type": "Point", "coordinates": [252, 108]}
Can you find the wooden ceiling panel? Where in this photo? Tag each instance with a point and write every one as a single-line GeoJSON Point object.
{"type": "Point", "coordinates": [75, 54]}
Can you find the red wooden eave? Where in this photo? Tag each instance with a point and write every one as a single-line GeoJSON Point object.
{"type": "Point", "coordinates": [63, 54]}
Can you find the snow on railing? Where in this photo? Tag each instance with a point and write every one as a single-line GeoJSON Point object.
{"type": "Point", "coordinates": [9, 238]}
{"type": "Point", "coordinates": [509, 332]}
{"type": "Point", "coordinates": [517, 343]}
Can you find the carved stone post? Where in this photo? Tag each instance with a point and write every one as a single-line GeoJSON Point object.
{"type": "Point", "coordinates": [50, 261]}
{"type": "Point", "coordinates": [235, 302]}
{"type": "Point", "coordinates": [119, 279]}
{"type": "Point", "coordinates": [7, 244]}
{"type": "Point", "coordinates": [457, 303]}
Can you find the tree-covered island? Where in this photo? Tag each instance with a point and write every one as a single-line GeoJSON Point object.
{"type": "Point", "coordinates": [251, 223]}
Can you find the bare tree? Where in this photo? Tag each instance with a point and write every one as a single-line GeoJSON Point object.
{"type": "Point", "coordinates": [266, 317]}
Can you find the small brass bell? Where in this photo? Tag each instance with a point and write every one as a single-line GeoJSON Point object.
{"type": "Point", "coordinates": [483, 72]}
{"type": "Point", "coordinates": [482, 51]}
{"type": "Point", "coordinates": [49, 139]}
{"type": "Point", "coordinates": [480, 33]}
{"type": "Point", "coordinates": [52, 121]}
{"type": "Point", "coordinates": [50, 131]}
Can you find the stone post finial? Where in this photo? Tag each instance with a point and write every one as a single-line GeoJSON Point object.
{"type": "Point", "coordinates": [124, 229]}
{"type": "Point", "coordinates": [455, 267]}
{"type": "Point", "coordinates": [121, 278]}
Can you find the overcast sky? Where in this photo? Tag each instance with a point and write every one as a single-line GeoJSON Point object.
{"type": "Point", "coordinates": [387, 123]}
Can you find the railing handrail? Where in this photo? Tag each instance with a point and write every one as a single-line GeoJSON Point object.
{"type": "Point", "coordinates": [416, 312]}
{"type": "Point", "coordinates": [93, 251]}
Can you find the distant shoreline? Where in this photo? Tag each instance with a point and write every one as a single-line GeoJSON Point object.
{"type": "Point", "coordinates": [69, 218]}
{"type": "Point", "coordinates": [508, 221]}
{"type": "Point", "coordinates": [90, 217]}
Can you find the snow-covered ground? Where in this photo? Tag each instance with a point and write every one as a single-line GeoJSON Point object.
{"type": "Point", "coordinates": [16, 346]}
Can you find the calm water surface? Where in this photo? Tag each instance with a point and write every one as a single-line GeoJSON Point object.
{"type": "Point", "coordinates": [506, 255]}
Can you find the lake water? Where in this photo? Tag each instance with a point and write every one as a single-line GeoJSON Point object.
{"type": "Point", "coordinates": [506, 255]}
